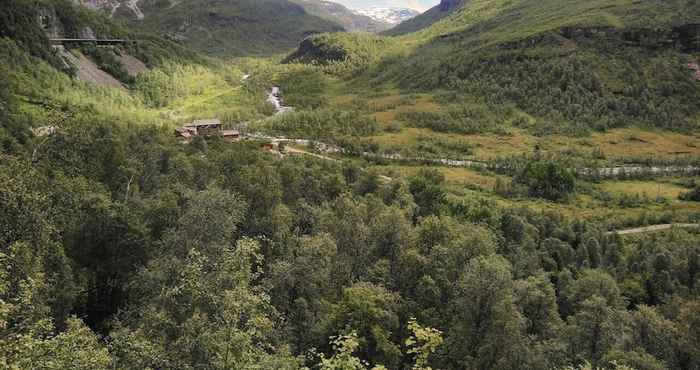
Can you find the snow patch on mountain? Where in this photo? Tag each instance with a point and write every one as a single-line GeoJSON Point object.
{"type": "Point", "coordinates": [131, 7]}
{"type": "Point", "coordinates": [389, 14]}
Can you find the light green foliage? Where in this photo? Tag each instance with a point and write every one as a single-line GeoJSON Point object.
{"type": "Point", "coordinates": [75, 348]}
{"type": "Point", "coordinates": [215, 314]}
{"type": "Point", "coordinates": [588, 366]}
{"type": "Point", "coordinates": [689, 318]}
{"type": "Point", "coordinates": [342, 53]}
{"type": "Point", "coordinates": [324, 124]}
{"type": "Point", "coordinates": [304, 87]}
{"type": "Point", "coordinates": [344, 346]}
{"type": "Point", "coordinates": [210, 219]}
{"type": "Point", "coordinates": [371, 311]}
{"type": "Point", "coordinates": [422, 343]}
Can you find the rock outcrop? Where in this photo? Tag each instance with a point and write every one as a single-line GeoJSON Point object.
{"type": "Point", "coordinates": [53, 28]}
{"type": "Point", "coordinates": [695, 68]}
{"type": "Point", "coordinates": [48, 21]}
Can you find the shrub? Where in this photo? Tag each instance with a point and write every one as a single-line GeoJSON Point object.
{"type": "Point", "coordinates": [693, 195]}
{"type": "Point", "coordinates": [547, 179]}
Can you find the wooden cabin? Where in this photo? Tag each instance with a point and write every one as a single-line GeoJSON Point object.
{"type": "Point", "coordinates": [206, 127]}
{"type": "Point", "coordinates": [231, 135]}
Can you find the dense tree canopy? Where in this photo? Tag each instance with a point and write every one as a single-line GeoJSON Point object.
{"type": "Point", "coordinates": [123, 248]}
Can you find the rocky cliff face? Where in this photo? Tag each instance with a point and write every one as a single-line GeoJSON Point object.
{"type": "Point", "coordinates": [126, 8]}
{"type": "Point", "coordinates": [53, 28]}
{"type": "Point", "coordinates": [48, 21]}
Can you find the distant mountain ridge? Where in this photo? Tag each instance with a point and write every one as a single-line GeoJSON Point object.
{"type": "Point", "coordinates": [435, 14]}
{"type": "Point", "coordinates": [350, 20]}
{"type": "Point", "coordinates": [234, 28]}
{"type": "Point", "coordinates": [418, 5]}
{"type": "Point", "coordinates": [391, 16]}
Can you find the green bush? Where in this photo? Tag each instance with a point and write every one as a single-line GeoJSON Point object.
{"type": "Point", "coordinates": [693, 195]}
{"type": "Point", "coordinates": [547, 179]}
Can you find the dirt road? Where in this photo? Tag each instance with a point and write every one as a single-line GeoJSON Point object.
{"type": "Point", "coordinates": [653, 228]}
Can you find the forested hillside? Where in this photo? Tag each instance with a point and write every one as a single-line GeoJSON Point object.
{"type": "Point", "coordinates": [228, 28]}
{"type": "Point", "coordinates": [235, 28]}
{"type": "Point", "coordinates": [465, 197]}
{"type": "Point", "coordinates": [572, 66]}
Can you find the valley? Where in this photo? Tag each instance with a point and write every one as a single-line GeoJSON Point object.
{"type": "Point", "coordinates": [290, 184]}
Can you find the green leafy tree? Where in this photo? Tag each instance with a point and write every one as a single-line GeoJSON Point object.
{"type": "Point", "coordinates": [634, 360]}
{"type": "Point", "coordinates": [536, 298]}
{"type": "Point", "coordinates": [655, 335]}
{"type": "Point", "coordinates": [547, 179]}
{"type": "Point", "coordinates": [486, 328]}
{"type": "Point", "coordinates": [303, 287]}
{"type": "Point", "coordinates": [428, 194]}
{"type": "Point", "coordinates": [689, 328]}
{"type": "Point", "coordinates": [207, 313]}
{"type": "Point", "coordinates": [372, 312]}
{"type": "Point", "coordinates": [344, 346]}
{"type": "Point", "coordinates": [595, 283]}
{"type": "Point", "coordinates": [75, 348]}
{"type": "Point", "coordinates": [422, 343]}
{"type": "Point", "coordinates": [347, 219]}
{"type": "Point", "coordinates": [594, 330]}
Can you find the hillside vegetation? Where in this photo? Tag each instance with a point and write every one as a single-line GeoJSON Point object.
{"type": "Point", "coordinates": [571, 66]}
{"type": "Point", "coordinates": [125, 247]}
{"type": "Point", "coordinates": [236, 28]}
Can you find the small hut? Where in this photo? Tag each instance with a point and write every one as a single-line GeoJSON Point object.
{"type": "Point", "coordinates": [231, 135]}
{"type": "Point", "coordinates": [206, 127]}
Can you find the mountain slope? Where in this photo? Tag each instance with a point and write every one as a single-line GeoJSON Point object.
{"type": "Point", "coordinates": [335, 12]}
{"type": "Point", "coordinates": [570, 65]}
{"type": "Point", "coordinates": [223, 28]}
{"type": "Point", "coordinates": [435, 14]}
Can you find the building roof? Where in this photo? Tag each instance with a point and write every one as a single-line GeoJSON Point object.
{"type": "Point", "coordinates": [204, 122]}
{"type": "Point", "coordinates": [230, 133]}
